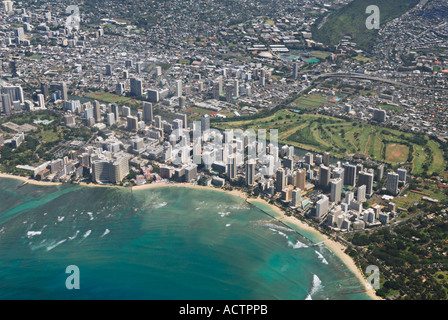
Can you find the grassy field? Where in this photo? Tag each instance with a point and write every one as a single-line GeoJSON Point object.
{"type": "Point", "coordinates": [310, 102]}
{"type": "Point", "coordinates": [195, 113]}
{"type": "Point", "coordinates": [438, 163]}
{"type": "Point", "coordinates": [420, 157]}
{"type": "Point", "coordinates": [409, 198]}
{"type": "Point", "coordinates": [396, 153]}
{"type": "Point", "coordinates": [112, 98]}
{"type": "Point", "coordinates": [362, 59]}
{"type": "Point", "coordinates": [390, 107]}
{"type": "Point", "coordinates": [48, 136]}
{"type": "Point", "coordinates": [367, 93]}
{"type": "Point", "coordinates": [321, 133]}
{"type": "Point", "coordinates": [321, 54]}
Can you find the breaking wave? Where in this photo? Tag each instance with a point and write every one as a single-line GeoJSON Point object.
{"type": "Point", "coordinates": [316, 287]}
{"type": "Point", "coordinates": [321, 257]}
{"type": "Point", "coordinates": [297, 245]}
{"type": "Point", "coordinates": [277, 227]}
{"type": "Point", "coordinates": [51, 247]}
{"type": "Point", "coordinates": [87, 234]}
{"type": "Point", "coordinates": [105, 233]}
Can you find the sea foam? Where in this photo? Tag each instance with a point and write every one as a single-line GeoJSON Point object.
{"type": "Point", "coordinates": [74, 237]}
{"type": "Point", "coordinates": [277, 227]}
{"type": "Point", "coordinates": [297, 245]}
{"type": "Point", "coordinates": [321, 257]}
{"type": "Point", "coordinates": [161, 205]}
{"type": "Point", "coordinates": [31, 234]}
{"type": "Point", "coordinates": [87, 234]}
{"type": "Point", "coordinates": [316, 287]}
{"type": "Point", "coordinates": [51, 247]}
{"type": "Point", "coordinates": [279, 232]}
{"type": "Point", "coordinates": [223, 214]}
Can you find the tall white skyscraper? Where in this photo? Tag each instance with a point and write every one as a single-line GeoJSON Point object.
{"type": "Point", "coordinates": [326, 159]}
{"type": "Point", "coordinates": [73, 105]}
{"type": "Point", "coordinates": [295, 72]}
{"type": "Point", "coordinates": [322, 206]}
{"type": "Point", "coordinates": [392, 183]}
{"type": "Point", "coordinates": [64, 91]}
{"type": "Point", "coordinates": [178, 88]}
{"type": "Point", "coordinates": [236, 89]}
{"type": "Point", "coordinates": [132, 123]}
{"type": "Point", "coordinates": [205, 123]}
{"type": "Point", "coordinates": [19, 33]}
{"type": "Point", "coordinates": [15, 93]}
{"type": "Point", "coordinates": [110, 119]}
{"type": "Point", "coordinates": [125, 111]}
{"type": "Point", "coordinates": [309, 158]}
{"type": "Point", "coordinates": [119, 88]}
{"type": "Point", "coordinates": [361, 194]}
{"type": "Point", "coordinates": [8, 6]}
{"type": "Point", "coordinates": [41, 100]}
{"type": "Point", "coordinates": [349, 196]}
{"type": "Point", "coordinates": [111, 170]}
{"type": "Point", "coordinates": [97, 111]}
{"type": "Point", "coordinates": [336, 190]}
{"type": "Point", "coordinates": [300, 179]}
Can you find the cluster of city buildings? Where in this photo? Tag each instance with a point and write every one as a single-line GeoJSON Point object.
{"type": "Point", "coordinates": [47, 55]}
{"type": "Point", "coordinates": [165, 73]}
{"type": "Point", "coordinates": [334, 192]}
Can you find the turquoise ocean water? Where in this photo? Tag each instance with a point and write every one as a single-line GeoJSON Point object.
{"type": "Point", "coordinates": [164, 243]}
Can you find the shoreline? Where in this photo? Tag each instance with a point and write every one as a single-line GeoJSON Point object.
{"type": "Point", "coordinates": [234, 192]}
{"type": "Point", "coordinates": [30, 181]}
{"type": "Point", "coordinates": [336, 247]}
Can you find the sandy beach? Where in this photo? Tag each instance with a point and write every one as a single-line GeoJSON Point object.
{"type": "Point", "coordinates": [292, 220]}
{"type": "Point", "coordinates": [334, 246]}
{"type": "Point", "coordinates": [339, 249]}
{"type": "Point", "coordinates": [234, 192]}
{"type": "Point", "coordinates": [30, 181]}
